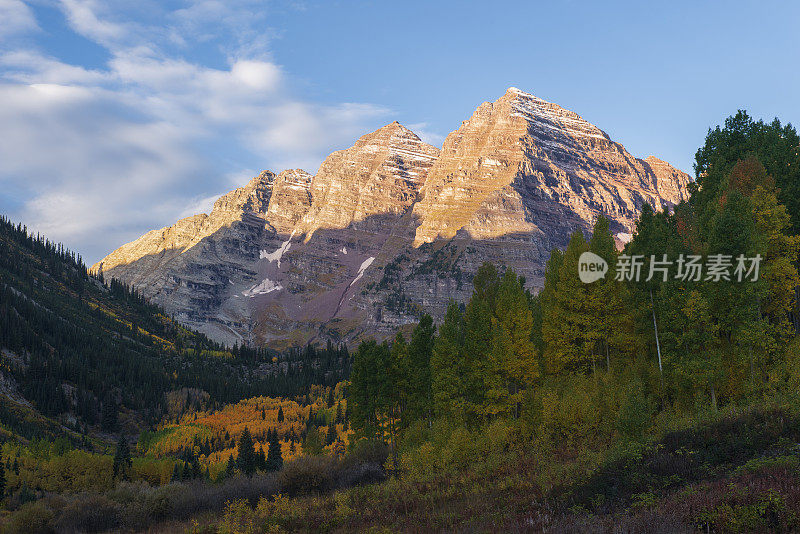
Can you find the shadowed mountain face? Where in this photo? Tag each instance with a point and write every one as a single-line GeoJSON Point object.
{"type": "Point", "coordinates": [391, 227]}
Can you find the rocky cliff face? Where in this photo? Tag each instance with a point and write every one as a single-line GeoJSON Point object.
{"type": "Point", "coordinates": [391, 227]}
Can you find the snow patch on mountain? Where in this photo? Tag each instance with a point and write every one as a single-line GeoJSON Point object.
{"type": "Point", "coordinates": [362, 269]}
{"type": "Point", "coordinates": [277, 254]}
{"type": "Point", "coordinates": [266, 286]}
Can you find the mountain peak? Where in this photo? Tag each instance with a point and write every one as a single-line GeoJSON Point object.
{"type": "Point", "coordinates": [394, 128]}
{"type": "Point", "coordinates": [336, 250]}
{"type": "Point", "coordinates": [516, 91]}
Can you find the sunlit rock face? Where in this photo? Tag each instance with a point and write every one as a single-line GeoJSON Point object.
{"type": "Point", "coordinates": [521, 165]}
{"type": "Point", "coordinates": [392, 227]}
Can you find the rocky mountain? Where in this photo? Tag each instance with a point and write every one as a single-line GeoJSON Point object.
{"type": "Point", "coordinates": [392, 226]}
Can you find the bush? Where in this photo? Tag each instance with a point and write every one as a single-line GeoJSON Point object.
{"type": "Point", "coordinates": [31, 518]}
{"type": "Point", "coordinates": [634, 414]}
{"type": "Point", "coordinates": [308, 474]}
{"type": "Point", "coordinates": [88, 513]}
{"type": "Point", "coordinates": [367, 452]}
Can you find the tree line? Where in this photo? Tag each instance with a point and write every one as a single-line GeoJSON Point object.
{"type": "Point", "coordinates": [631, 345]}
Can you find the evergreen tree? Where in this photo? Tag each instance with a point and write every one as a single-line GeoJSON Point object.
{"type": "Point", "coordinates": [261, 459]}
{"type": "Point", "coordinates": [449, 367]}
{"type": "Point", "coordinates": [274, 460]}
{"type": "Point", "coordinates": [122, 460]}
{"type": "Point", "coordinates": [370, 388]}
{"type": "Point", "coordinates": [420, 349]}
{"type": "Point", "coordinates": [565, 326]}
{"type": "Point", "coordinates": [280, 414]}
{"type": "Point", "coordinates": [230, 468]}
{"type": "Point", "coordinates": [108, 418]}
{"type": "Point", "coordinates": [246, 455]}
{"type": "Point", "coordinates": [478, 344]}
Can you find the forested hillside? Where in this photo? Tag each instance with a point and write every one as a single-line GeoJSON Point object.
{"type": "Point", "coordinates": [76, 347]}
{"type": "Point", "coordinates": [660, 396]}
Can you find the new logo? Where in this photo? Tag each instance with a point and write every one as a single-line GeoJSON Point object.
{"type": "Point", "coordinates": [591, 267]}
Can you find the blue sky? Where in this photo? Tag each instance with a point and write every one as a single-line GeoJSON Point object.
{"type": "Point", "coordinates": [119, 117]}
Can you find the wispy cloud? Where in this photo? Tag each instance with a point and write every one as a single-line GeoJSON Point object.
{"type": "Point", "coordinates": [102, 155]}
{"type": "Point", "coordinates": [424, 132]}
{"type": "Point", "coordinates": [16, 18]}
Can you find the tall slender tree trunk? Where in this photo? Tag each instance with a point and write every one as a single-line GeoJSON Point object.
{"type": "Point", "coordinates": [658, 345]}
{"type": "Point", "coordinates": [713, 398]}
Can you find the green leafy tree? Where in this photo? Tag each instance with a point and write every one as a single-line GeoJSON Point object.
{"type": "Point", "coordinates": [312, 444]}
{"type": "Point", "coordinates": [776, 147]}
{"type": "Point", "coordinates": [609, 323]}
{"type": "Point", "coordinates": [513, 332]}
{"type": "Point", "coordinates": [699, 368]}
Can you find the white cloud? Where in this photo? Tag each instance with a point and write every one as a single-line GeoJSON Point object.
{"type": "Point", "coordinates": [432, 138]}
{"type": "Point", "coordinates": [16, 18]}
{"type": "Point", "coordinates": [83, 16]}
{"type": "Point", "coordinates": [87, 168]}
{"type": "Point", "coordinates": [104, 154]}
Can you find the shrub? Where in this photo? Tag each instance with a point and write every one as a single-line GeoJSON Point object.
{"type": "Point", "coordinates": [634, 414]}
{"type": "Point", "coordinates": [31, 518]}
{"type": "Point", "coordinates": [88, 513]}
{"type": "Point", "coordinates": [308, 474]}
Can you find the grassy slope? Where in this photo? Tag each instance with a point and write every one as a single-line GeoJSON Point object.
{"type": "Point", "coordinates": [738, 472]}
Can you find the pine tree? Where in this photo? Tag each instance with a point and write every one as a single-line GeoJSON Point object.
{"type": "Point", "coordinates": [122, 460]}
{"type": "Point", "coordinates": [449, 367]}
{"type": "Point", "coordinates": [261, 459]}
{"type": "Point", "coordinates": [246, 458]}
{"type": "Point", "coordinates": [108, 419]}
{"type": "Point", "coordinates": [478, 346]}
{"type": "Point", "coordinates": [565, 325]}
{"type": "Point", "coordinates": [420, 349]}
{"type": "Point", "coordinates": [230, 468]}
{"type": "Point", "coordinates": [312, 444]}
{"type": "Point", "coordinates": [547, 302]}
{"type": "Point", "coordinates": [370, 389]}
{"type": "Point", "coordinates": [280, 414]}
{"type": "Point", "coordinates": [274, 460]}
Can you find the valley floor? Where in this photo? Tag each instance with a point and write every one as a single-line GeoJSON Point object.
{"type": "Point", "coordinates": [737, 471]}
